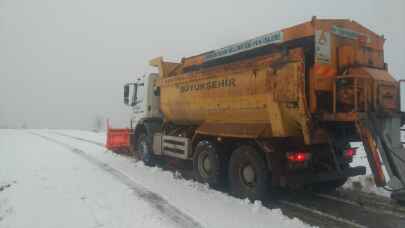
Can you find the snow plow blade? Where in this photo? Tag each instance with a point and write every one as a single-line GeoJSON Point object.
{"type": "Point", "coordinates": [385, 153]}
{"type": "Point", "coordinates": [117, 139]}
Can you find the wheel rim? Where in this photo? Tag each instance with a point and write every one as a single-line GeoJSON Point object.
{"type": "Point", "coordinates": [204, 165]}
{"type": "Point", "coordinates": [248, 175]}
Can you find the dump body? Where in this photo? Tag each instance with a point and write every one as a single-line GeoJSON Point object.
{"type": "Point", "coordinates": [271, 86]}
{"type": "Point", "coordinates": [242, 96]}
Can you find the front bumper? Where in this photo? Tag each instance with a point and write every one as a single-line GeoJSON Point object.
{"type": "Point", "coordinates": [305, 178]}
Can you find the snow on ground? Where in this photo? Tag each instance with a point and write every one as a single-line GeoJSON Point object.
{"type": "Point", "coordinates": [48, 186]}
{"type": "Point", "coordinates": [44, 184]}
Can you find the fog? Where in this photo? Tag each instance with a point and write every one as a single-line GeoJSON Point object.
{"type": "Point", "coordinates": [63, 62]}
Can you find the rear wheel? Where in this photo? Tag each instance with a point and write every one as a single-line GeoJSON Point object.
{"type": "Point", "coordinates": [208, 163]}
{"type": "Point", "coordinates": [143, 150]}
{"type": "Point", "coordinates": [248, 174]}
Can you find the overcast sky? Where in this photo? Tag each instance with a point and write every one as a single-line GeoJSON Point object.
{"type": "Point", "coordinates": [64, 62]}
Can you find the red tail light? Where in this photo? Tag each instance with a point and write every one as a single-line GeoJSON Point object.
{"type": "Point", "coordinates": [299, 156]}
{"type": "Point", "coordinates": [349, 153]}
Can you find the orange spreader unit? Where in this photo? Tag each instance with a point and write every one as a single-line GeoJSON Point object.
{"type": "Point", "coordinates": [117, 138]}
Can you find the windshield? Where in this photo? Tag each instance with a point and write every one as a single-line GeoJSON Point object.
{"type": "Point", "coordinates": [139, 93]}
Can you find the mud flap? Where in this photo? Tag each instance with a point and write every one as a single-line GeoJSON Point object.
{"type": "Point", "coordinates": [385, 153]}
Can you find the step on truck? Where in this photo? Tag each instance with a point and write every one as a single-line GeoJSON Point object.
{"type": "Point", "coordinates": [278, 110]}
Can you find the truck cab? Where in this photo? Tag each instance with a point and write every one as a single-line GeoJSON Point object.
{"type": "Point", "coordinates": [143, 99]}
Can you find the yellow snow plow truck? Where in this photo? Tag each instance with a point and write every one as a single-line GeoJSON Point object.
{"type": "Point", "coordinates": [278, 110]}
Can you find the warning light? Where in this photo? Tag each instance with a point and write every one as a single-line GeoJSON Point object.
{"type": "Point", "coordinates": [349, 153]}
{"type": "Point", "coordinates": [299, 156]}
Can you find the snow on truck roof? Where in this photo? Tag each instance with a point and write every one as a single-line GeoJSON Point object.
{"type": "Point", "coordinates": [340, 27]}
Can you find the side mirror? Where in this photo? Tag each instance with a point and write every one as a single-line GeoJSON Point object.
{"type": "Point", "coordinates": [402, 95]}
{"type": "Point", "coordinates": [126, 94]}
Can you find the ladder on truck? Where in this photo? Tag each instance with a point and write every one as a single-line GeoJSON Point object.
{"type": "Point", "coordinates": [385, 152]}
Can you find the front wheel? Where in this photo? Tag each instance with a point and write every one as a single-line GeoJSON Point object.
{"type": "Point", "coordinates": [143, 150]}
{"type": "Point", "coordinates": [248, 174]}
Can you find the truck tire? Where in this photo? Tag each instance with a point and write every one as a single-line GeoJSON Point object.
{"type": "Point", "coordinates": [208, 164]}
{"type": "Point", "coordinates": [143, 150]}
{"type": "Point", "coordinates": [248, 174]}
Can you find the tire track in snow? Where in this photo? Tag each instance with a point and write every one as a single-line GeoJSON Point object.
{"type": "Point", "coordinates": [155, 201]}
{"type": "Point", "coordinates": [347, 222]}
{"type": "Point", "coordinates": [79, 138]}
{"type": "Point", "coordinates": [345, 212]}
{"type": "Point", "coordinates": [383, 209]}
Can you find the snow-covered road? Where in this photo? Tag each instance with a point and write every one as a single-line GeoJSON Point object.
{"type": "Point", "coordinates": [52, 187]}
{"type": "Point", "coordinates": [47, 180]}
